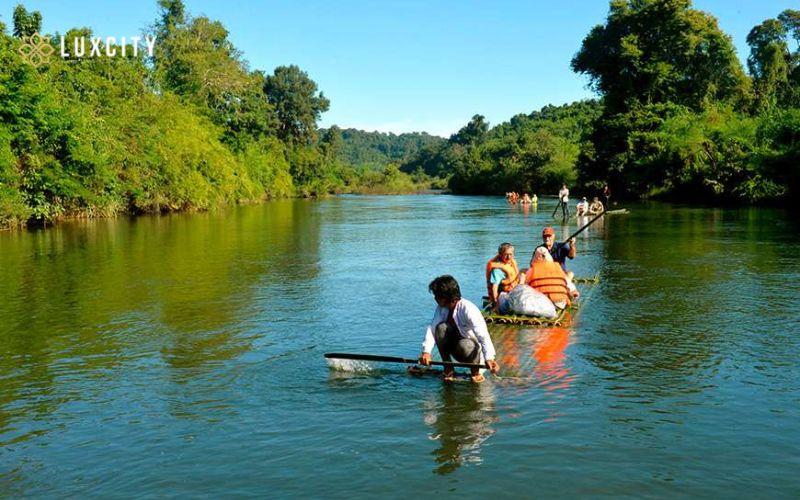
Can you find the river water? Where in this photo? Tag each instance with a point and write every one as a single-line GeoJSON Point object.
{"type": "Point", "coordinates": [182, 356]}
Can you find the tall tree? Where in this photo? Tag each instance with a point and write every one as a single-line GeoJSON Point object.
{"type": "Point", "coordinates": [774, 67]}
{"type": "Point", "coordinates": [297, 103]}
{"type": "Point", "coordinates": [656, 51]}
{"type": "Point", "coordinates": [471, 133]}
{"type": "Point", "coordinates": [26, 23]}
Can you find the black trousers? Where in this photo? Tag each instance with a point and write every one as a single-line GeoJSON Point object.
{"type": "Point", "coordinates": [452, 345]}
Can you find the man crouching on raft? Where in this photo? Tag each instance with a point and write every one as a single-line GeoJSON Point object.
{"type": "Point", "coordinates": [458, 330]}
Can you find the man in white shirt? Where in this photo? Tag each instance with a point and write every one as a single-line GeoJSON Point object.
{"type": "Point", "coordinates": [563, 198]}
{"type": "Point", "coordinates": [582, 208]}
{"type": "Point", "coordinates": [457, 330]}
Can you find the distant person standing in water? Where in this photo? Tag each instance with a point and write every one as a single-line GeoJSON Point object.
{"type": "Point", "coordinates": [563, 198]}
{"type": "Point", "coordinates": [607, 195]}
{"type": "Point", "coordinates": [458, 330]}
{"type": "Point", "coordinates": [596, 207]}
{"type": "Point", "coordinates": [582, 208]}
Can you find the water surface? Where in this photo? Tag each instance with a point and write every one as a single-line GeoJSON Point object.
{"type": "Point", "coordinates": [182, 356]}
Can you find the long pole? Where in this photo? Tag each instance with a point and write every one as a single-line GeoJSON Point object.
{"type": "Point", "coordinates": [557, 207]}
{"type": "Point", "coordinates": [579, 231]}
{"type": "Point", "coordinates": [391, 359]}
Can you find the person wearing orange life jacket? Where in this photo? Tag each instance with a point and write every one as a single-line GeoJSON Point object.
{"type": "Point", "coordinates": [548, 278]}
{"type": "Point", "coordinates": [502, 273]}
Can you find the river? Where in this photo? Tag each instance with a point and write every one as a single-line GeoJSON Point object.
{"type": "Point", "coordinates": [182, 356]}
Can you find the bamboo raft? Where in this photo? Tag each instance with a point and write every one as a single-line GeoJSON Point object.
{"type": "Point", "coordinates": [564, 317]}
{"type": "Point", "coordinates": [617, 211]}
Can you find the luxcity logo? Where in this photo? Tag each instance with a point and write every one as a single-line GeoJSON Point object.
{"type": "Point", "coordinates": [37, 50]}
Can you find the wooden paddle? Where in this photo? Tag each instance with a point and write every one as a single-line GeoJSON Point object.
{"type": "Point", "coordinates": [391, 359]}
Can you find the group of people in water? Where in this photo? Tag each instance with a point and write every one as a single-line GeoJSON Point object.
{"type": "Point", "coordinates": [458, 329]}
{"type": "Point", "coordinates": [583, 207]}
{"type": "Point", "coordinates": [513, 197]}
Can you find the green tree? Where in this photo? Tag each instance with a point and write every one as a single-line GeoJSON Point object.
{"type": "Point", "coordinates": [297, 103]}
{"type": "Point", "coordinates": [774, 67]}
{"type": "Point", "coordinates": [655, 51]}
{"type": "Point", "coordinates": [26, 23]}
{"type": "Point", "coordinates": [472, 133]}
{"type": "Point", "coordinates": [650, 60]}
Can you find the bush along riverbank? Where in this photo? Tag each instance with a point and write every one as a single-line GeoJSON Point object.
{"type": "Point", "coordinates": [101, 136]}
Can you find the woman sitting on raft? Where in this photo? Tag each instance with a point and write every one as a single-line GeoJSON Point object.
{"type": "Point", "coordinates": [548, 278]}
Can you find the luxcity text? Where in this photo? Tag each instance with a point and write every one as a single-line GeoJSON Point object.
{"type": "Point", "coordinates": [97, 49]}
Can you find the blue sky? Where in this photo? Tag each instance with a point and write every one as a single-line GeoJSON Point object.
{"type": "Point", "coordinates": [406, 65]}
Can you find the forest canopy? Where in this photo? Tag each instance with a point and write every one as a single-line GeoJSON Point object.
{"type": "Point", "coordinates": [191, 126]}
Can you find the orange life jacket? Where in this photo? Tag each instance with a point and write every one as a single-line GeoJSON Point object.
{"type": "Point", "coordinates": [549, 278]}
{"type": "Point", "coordinates": [512, 274]}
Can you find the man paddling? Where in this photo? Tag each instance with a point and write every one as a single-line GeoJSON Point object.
{"type": "Point", "coordinates": [559, 251]}
{"type": "Point", "coordinates": [458, 331]}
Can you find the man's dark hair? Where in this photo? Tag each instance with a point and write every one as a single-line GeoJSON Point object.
{"type": "Point", "coordinates": [445, 287]}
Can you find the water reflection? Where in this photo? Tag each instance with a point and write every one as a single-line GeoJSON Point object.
{"type": "Point", "coordinates": [534, 355]}
{"type": "Point", "coordinates": [90, 302]}
{"type": "Point", "coordinates": [461, 419]}
{"type": "Point", "coordinates": [551, 371]}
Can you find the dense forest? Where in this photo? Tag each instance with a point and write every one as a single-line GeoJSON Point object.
{"type": "Point", "coordinates": [677, 116]}
{"type": "Point", "coordinates": [192, 127]}
{"type": "Point", "coordinates": [379, 149]}
{"type": "Point", "coordinates": [530, 153]}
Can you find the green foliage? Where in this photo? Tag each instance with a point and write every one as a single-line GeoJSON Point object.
{"type": "Point", "coordinates": [390, 180]}
{"type": "Point", "coordinates": [781, 155]}
{"type": "Point", "coordinates": [26, 23]}
{"type": "Point", "coordinates": [376, 149]}
{"type": "Point", "coordinates": [656, 51]}
{"type": "Point", "coordinates": [473, 132]}
{"type": "Point", "coordinates": [530, 153]}
{"type": "Point", "coordinates": [190, 129]}
{"type": "Point", "coordinates": [294, 96]}
{"type": "Point", "coordinates": [194, 128]}
{"type": "Point", "coordinates": [680, 120]}
{"type": "Point", "coordinates": [774, 67]}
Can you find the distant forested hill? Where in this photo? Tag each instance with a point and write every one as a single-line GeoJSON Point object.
{"type": "Point", "coordinates": [377, 149]}
{"type": "Point", "coordinates": [533, 152]}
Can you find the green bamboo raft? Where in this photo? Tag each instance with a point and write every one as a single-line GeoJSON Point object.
{"type": "Point", "coordinates": [564, 317]}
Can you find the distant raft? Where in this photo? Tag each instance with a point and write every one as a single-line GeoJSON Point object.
{"type": "Point", "coordinates": [618, 211]}
{"type": "Point", "coordinates": [564, 317]}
